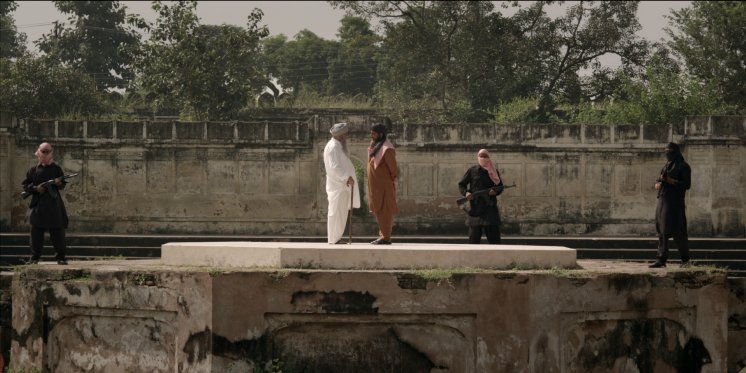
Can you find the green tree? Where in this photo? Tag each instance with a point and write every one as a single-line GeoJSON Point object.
{"type": "Point", "coordinates": [272, 48]}
{"type": "Point", "coordinates": [40, 87]}
{"type": "Point", "coordinates": [467, 56]}
{"type": "Point", "coordinates": [12, 42]}
{"type": "Point", "coordinates": [435, 54]}
{"type": "Point", "coordinates": [353, 70]}
{"type": "Point", "coordinates": [211, 71]}
{"type": "Point", "coordinates": [663, 95]}
{"type": "Point", "coordinates": [576, 40]}
{"type": "Point", "coordinates": [302, 62]}
{"type": "Point", "coordinates": [99, 39]}
{"type": "Point", "coordinates": [710, 37]}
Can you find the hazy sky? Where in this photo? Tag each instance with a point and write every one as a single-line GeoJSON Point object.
{"type": "Point", "coordinates": [287, 17]}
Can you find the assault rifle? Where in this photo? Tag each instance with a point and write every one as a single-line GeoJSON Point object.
{"type": "Point", "coordinates": [484, 193]}
{"type": "Point", "coordinates": [50, 186]}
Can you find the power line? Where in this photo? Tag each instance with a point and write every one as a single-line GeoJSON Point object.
{"type": "Point", "coordinates": [29, 25]}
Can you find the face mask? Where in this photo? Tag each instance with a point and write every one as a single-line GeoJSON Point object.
{"type": "Point", "coordinates": [670, 156]}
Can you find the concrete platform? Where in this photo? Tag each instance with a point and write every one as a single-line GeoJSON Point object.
{"type": "Point", "coordinates": [364, 256]}
{"type": "Point", "coordinates": [144, 316]}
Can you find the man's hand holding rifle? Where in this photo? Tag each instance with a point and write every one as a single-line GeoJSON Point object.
{"type": "Point", "coordinates": [50, 185]}
{"type": "Point", "coordinates": [482, 193]}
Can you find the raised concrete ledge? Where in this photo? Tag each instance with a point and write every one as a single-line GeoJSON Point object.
{"type": "Point", "coordinates": [364, 256]}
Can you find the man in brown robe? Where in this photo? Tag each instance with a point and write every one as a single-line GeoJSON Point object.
{"type": "Point", "coordinates": [382, 174]}
{"type": "Point", "coordinates": [670, 213]}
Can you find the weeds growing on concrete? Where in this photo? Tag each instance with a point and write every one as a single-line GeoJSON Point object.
{"type": "Point", "coordinates": [280, 274]}
{"type": "Point", "coordinates": [81, 275]}
{"type": "Point", "coordinates": [306, 265]}
{"type": "Point", "coordinates": [10, 369]}
{"type": "Point", "coordinates": [709, 269]}
{"type": "Point", "coordinates": [214, 272]}
{"type": "Point", "coordinates": [21, 268]}
{"type": "Point", "coordinates": [523, 267]}
{"type": "Point", "coordinates": [438, 275]}
{"type": "Point", "coordinates": [141, 279]}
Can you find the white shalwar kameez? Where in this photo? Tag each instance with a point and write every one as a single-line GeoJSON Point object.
{"type": "Point", "coordinates": [339, 168]}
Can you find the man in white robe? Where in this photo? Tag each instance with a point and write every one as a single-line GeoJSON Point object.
{"type": "Point", "coordinates": [340, 182]}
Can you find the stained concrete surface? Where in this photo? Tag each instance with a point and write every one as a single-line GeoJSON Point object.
{"type": "Point", "coordinates": [112, 315]}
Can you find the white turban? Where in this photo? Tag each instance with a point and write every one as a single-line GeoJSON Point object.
{"type": "Point", "coordinates": [339, 129]}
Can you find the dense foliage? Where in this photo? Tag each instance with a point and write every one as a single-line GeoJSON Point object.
{"type": "Point", "coordinates": [209, 71]}
{"type": "Point", "coordinates": [12, 42]}
{"type": "Point", "coordinates": [454, 61]}
{"type": "Point", "coordinates": [100, 40]}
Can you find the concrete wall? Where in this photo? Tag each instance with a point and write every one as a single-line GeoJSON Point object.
{"type": "Point", "coordinates": [6, 325]}
{"type": "Point", "coordinates": [736, 324]}
{"type": "Point", "coordinates": [108, 317]}
{"type": "Point", "coordinates": [266, 177]}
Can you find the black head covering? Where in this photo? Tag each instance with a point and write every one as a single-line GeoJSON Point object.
{"type": "Point", "coordinates": [376, 145]}
{"type": "Point", "coordinates": [380, 128]}
{"type": "Point", "coordinates": [675, 152]}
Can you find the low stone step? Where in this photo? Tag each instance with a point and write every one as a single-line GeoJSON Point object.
{"type": "Point", "coordinates": [363, 256]}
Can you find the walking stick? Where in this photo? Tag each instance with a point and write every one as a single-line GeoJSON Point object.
{"type": "Point", "coordinates": [349, 218]}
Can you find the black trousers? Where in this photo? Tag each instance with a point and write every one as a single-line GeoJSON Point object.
{"type": "Point", "coordinates": [58, 241]}
{"type": "Point", "coordinates": [492, 232]}
{"type": "Point", "coordinates": [682, 242]}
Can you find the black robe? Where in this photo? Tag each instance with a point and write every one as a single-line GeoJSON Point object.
{"type": "Point", "coordinates": [670, 213]}
{"type": "Point", "coordinates": [483, 210]}
{"type": "Point", "coordinates": [46, 211]}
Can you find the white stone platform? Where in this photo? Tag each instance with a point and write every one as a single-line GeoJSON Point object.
{"type": "Point", "coordinates": [364, 255]}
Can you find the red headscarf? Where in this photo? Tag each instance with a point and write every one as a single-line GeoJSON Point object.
{"type": "Point", "coordinates": [45, 159]}
{"type": "Point", "coordinates": [486, 163]}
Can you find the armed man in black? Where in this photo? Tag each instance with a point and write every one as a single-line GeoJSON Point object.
{"type": "Point", "coordinates": [481, 185]}
{"type": "Point", "coordinates": [670, 214]}
{"type": "Point", "coordinates": [47, 208]}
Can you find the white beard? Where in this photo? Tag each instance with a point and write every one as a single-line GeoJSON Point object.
{"type": "Point", "coordinates": [344, 147]}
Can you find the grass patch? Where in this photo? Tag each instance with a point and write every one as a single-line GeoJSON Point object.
{"type": "Point", "coordinates": [214, 272]}
{"type": "Point", "coordinates": [574, 272]}
{"type": "Point", "coordinates": [523, 267]}
{"type": "Point", "coordinates": [143, 279]}
{"type": "Point", "coordinates": [709, 269]}
{"type": "Point", "coordinates": [306, 265]}
{"type": "Point", "coordinates": [443, 274]}
{"type": "Point", "coordinates": [77, 275]}
{"type": "Point", "coordinates": [280, 274]}
{"type": "Point", "coordinates": [10, 369]}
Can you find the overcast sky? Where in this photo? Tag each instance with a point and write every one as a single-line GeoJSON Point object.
{"type": "Point", "coordinates": [288, 17]}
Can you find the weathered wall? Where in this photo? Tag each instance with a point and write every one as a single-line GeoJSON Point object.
{"type": "Point", "coordinates": [266, 177]}
{"type": "Point", "coordinates": [737, 325]}
{"type": "Point", "coordinates": [6, 296]}
{"type": "Point", "coordinates": [99, 317]}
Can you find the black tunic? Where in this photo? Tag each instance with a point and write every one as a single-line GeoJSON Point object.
{"type": "Point", "coordinates": [46, 211]}
{"type": "Point", "coordinates": [483, 210]}
{"type": "Point", "coordinates": [670, 213]}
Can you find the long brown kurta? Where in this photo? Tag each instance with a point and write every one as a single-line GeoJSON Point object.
{"type": "Point", "coordinates": [382, 192]}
